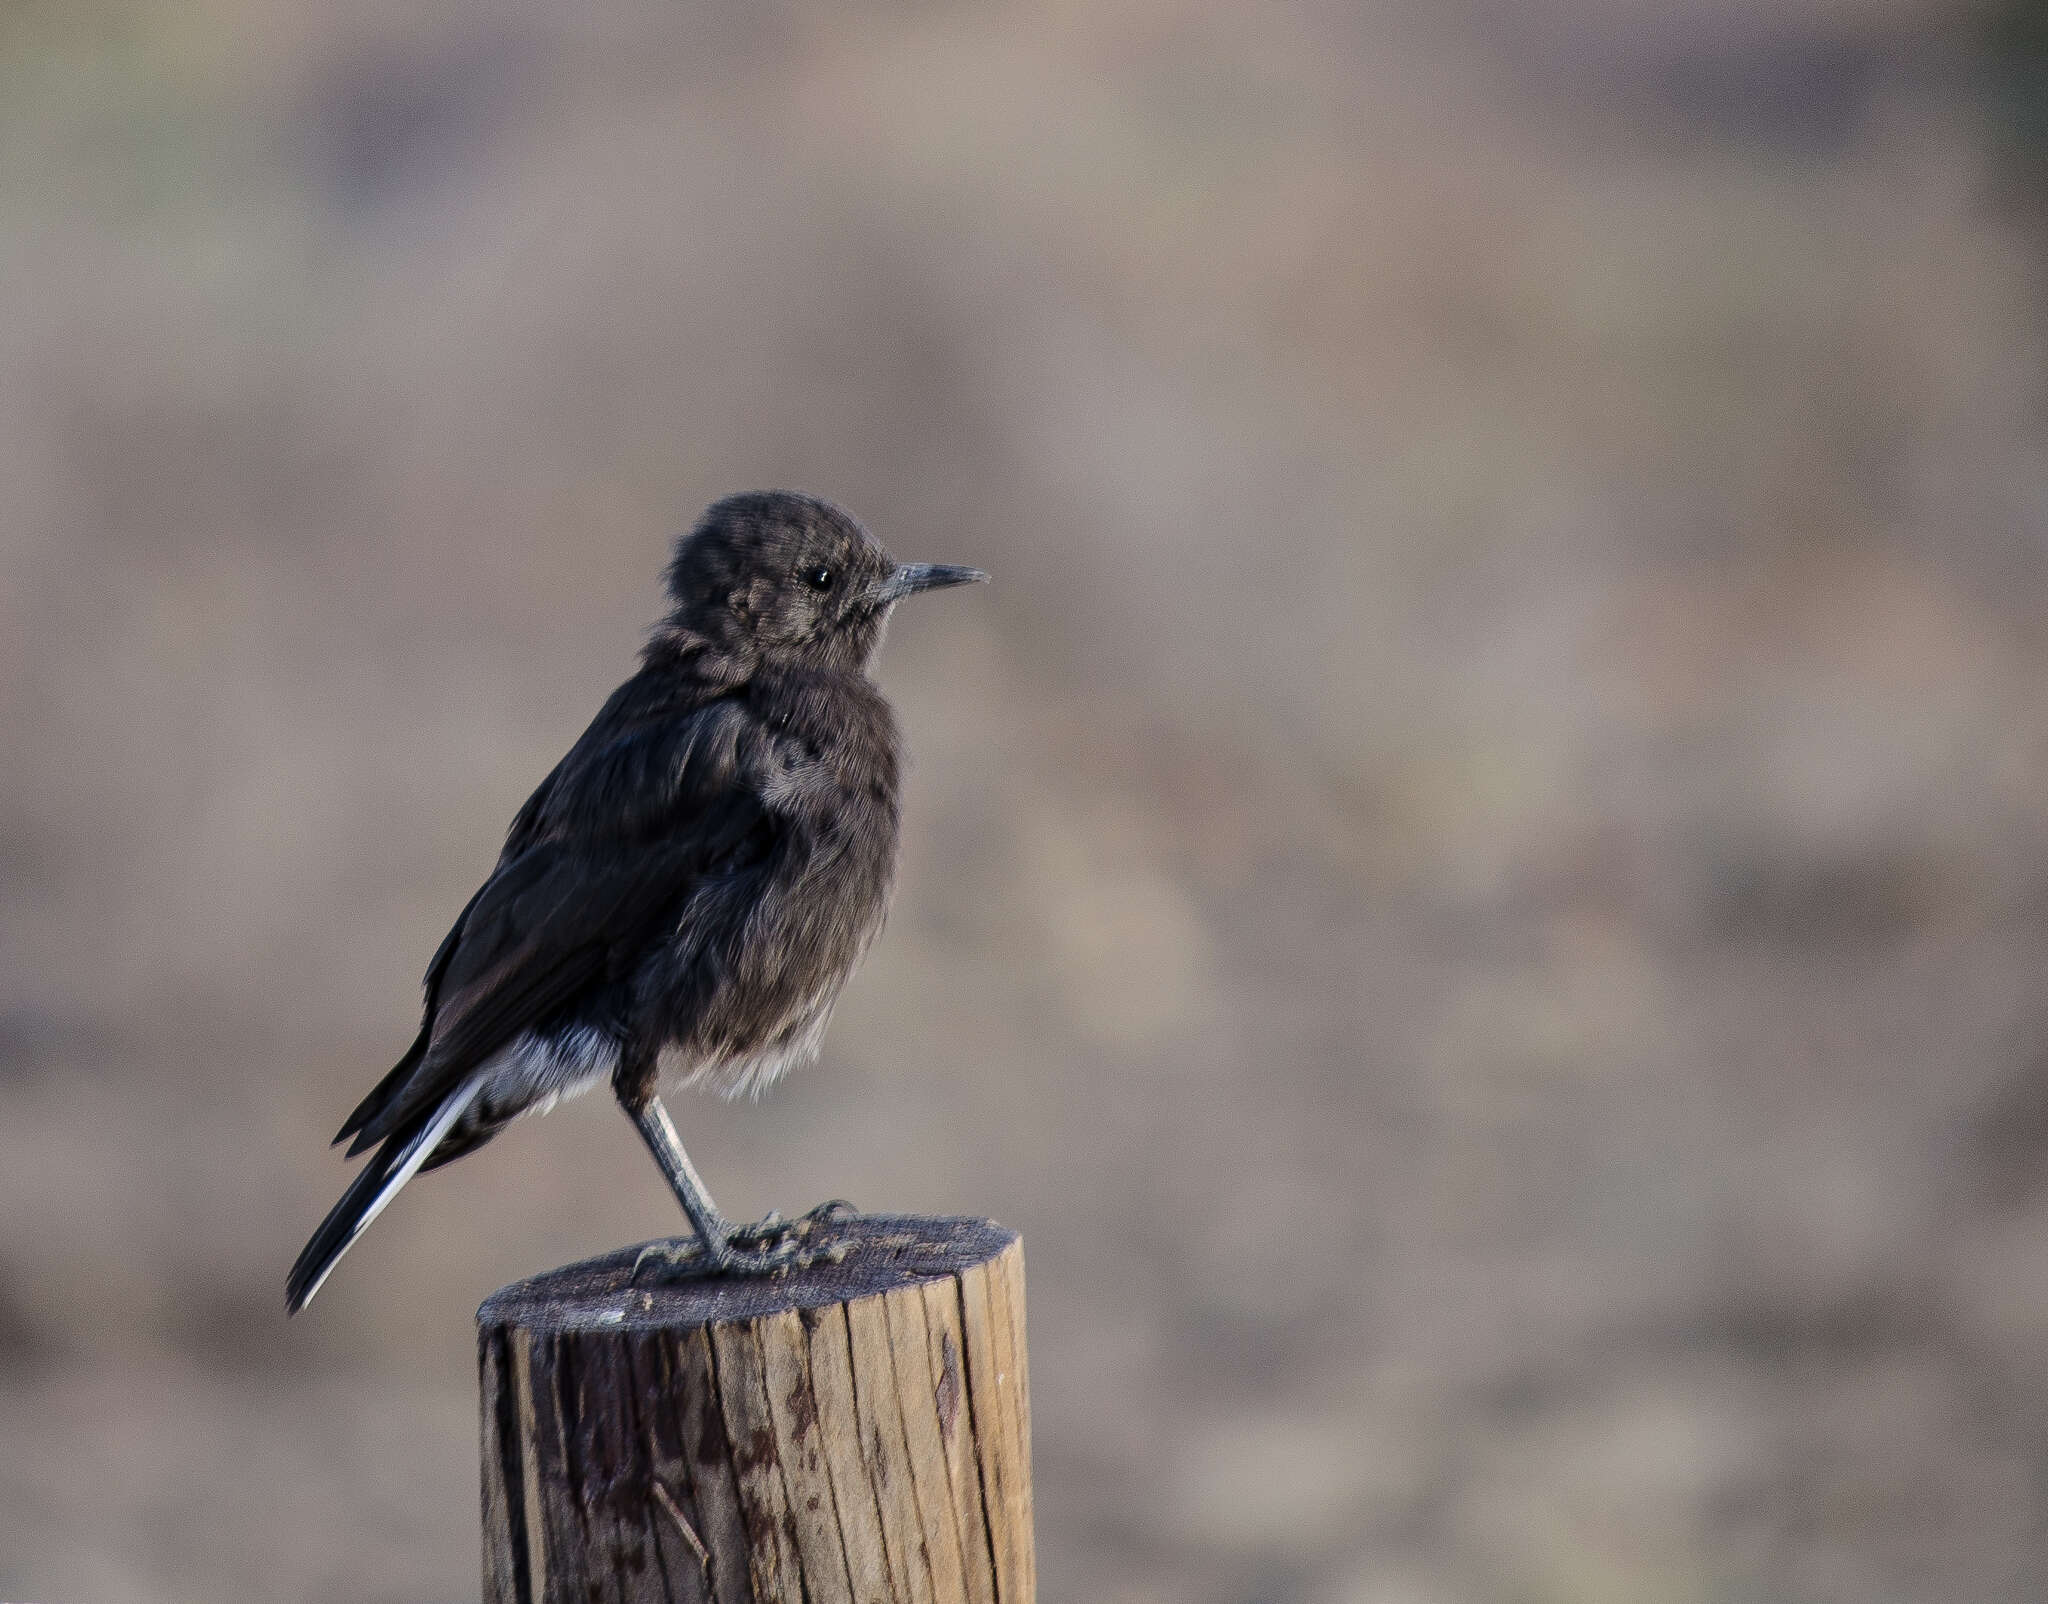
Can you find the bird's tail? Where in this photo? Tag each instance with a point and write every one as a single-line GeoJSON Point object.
{"type": "Point", "coordinates": [393, 1164]}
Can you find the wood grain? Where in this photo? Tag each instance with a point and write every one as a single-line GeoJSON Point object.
{"type": "Point", "coordinates": [856, 1433]}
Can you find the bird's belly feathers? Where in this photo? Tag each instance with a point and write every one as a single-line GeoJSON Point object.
{"type": "Point", "coordinates": [774, 997]}
{"type": "Point", "coordinates": [743, 1072]}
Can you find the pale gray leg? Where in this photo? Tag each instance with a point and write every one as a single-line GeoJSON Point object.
{"type": "Point", "coordinates": [722, 1248]}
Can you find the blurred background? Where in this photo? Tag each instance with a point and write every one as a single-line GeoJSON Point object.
{"type": "Point", "coordinates": [1477, 887]}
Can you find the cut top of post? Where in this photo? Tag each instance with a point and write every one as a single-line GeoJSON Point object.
{"type": "Point", "coordinates": [883, 1251]}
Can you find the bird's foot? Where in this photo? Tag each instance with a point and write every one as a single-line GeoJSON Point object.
{"type": "Point", "coordinates": [812, 1228]}
{"type": "Point", "coordinates": [771, 1246]}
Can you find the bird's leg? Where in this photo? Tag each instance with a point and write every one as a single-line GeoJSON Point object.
{"type": "Point", "coordinates": [722, 1248]}
{"type": "Point", "coordinates": [658, 1131]}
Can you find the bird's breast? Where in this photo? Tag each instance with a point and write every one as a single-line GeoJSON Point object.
{"type": "Point", "coordinates": [758, 964]}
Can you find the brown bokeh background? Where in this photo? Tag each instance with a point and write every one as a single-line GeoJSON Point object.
{"type": "Point", "coordinates": [1477, 887]}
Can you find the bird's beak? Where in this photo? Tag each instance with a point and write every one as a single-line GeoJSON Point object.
{"type": "Point", "coordinates": [910, 578]}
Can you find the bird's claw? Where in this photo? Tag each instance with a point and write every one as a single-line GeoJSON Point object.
{"type": "Point", "coordinates": [771, 1246]}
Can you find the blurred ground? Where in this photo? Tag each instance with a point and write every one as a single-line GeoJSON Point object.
{"type": "Point", "coordinates": [1478, 887]}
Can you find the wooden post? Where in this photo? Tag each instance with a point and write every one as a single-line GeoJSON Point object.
{"type": "Point", "coordinates": [852, 1433]}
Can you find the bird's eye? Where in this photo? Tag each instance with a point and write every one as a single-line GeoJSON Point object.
{"type": "Point", "coordinates": [819, 577]}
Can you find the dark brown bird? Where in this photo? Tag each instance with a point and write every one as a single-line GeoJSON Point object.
{"type": "Point", "coordinates": [689, 889]}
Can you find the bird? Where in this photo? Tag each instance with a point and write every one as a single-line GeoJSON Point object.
{"type": "Point", "coordinates": [684, 895]}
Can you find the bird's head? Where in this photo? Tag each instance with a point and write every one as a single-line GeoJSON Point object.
{"type": "Point", "coordinates": [773, 578]}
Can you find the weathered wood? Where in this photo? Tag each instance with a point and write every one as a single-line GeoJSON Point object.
{"type": "Point", "coordinates": [851, 1433]}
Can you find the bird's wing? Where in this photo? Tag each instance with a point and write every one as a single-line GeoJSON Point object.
{"type": "Point", "coordinates": [395, 1078]}
{"type": "Point", "coordinates": [633, 826]}
{"type": "Point", "coordinates": [522, 834]}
